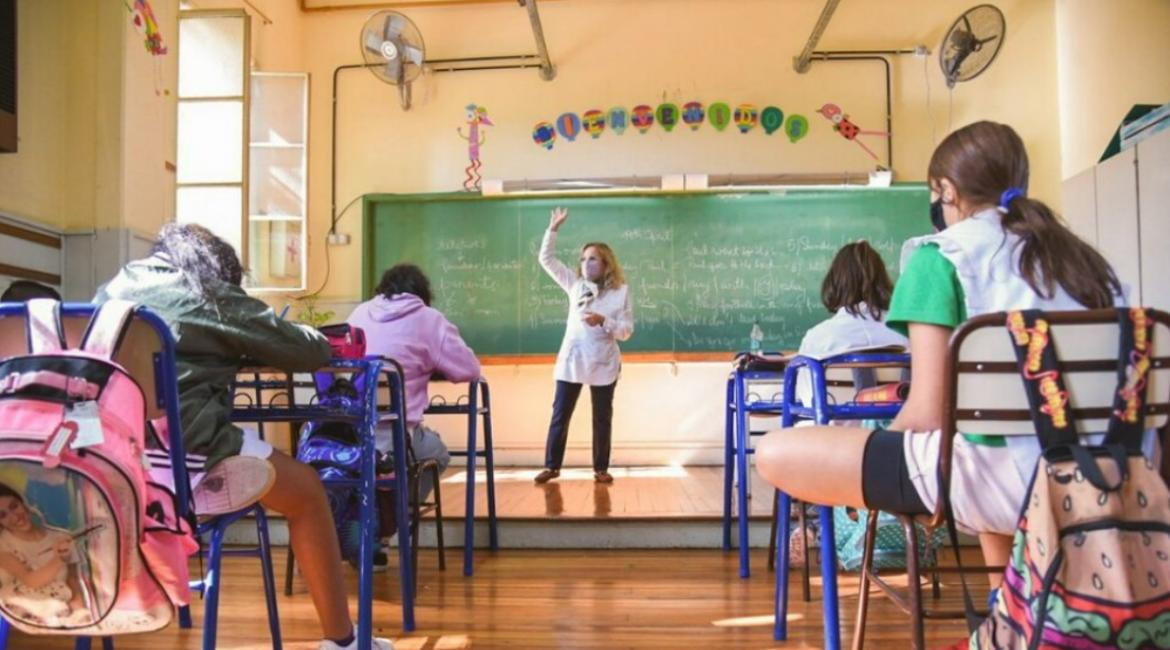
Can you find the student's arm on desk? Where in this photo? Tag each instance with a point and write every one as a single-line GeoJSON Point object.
{"type": "Point", "coordinates": [923, 410]}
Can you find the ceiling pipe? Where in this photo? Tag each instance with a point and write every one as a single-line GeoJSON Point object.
{"type": "Point", "coordinates": [801, 62]}
{"type": "Point", "coordinates": [547, 71]}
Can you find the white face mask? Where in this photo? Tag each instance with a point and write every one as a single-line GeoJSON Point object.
{"type": "Point", "coordinates": [591, 270]}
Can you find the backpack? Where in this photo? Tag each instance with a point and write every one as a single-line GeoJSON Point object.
{"type": "Point", "coordinates": [333, 449]}
{"type": "Point", "coordinates": [1090, 562]}
{"type": "Point", "coordinates": [75, 490]}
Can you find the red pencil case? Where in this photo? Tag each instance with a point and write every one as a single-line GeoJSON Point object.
{"type": "Point", "coordinates": [347, 341]}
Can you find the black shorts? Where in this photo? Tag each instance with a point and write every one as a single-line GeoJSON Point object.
{"type": "Point", "coordinates": [885, 479]}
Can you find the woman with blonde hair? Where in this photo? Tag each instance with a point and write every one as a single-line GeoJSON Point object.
{"type": "Point", "coordinates": [599, 316]}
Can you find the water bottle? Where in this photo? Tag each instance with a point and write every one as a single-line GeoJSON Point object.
{"type": "Point", "coordinates": [757, 339]}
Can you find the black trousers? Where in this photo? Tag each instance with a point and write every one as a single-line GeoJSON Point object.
{"type": "Point", "coordinates": [558, 429]}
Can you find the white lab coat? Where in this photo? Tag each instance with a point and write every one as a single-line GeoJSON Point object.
{"type": "Point", "coordinates": [589, 354]}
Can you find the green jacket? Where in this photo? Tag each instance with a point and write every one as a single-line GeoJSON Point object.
{"type": "Point", "coordinates": [210, 343]}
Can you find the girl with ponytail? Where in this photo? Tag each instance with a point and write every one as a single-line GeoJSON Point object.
{"type": "Point", "coordinates": [997, 249]}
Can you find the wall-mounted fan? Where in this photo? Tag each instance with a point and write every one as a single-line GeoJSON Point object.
{"type": "Point", "coordinates": [393, 50]}
{"type": "Point", "coordinates": [971, 43]}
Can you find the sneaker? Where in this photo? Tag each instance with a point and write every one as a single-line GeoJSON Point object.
{"type": "Point", "coordinates": [546, 476]}
{"type": "Point", "coordinates": [233, 484]}
{"type": "Point", "coordinates": [378, 644]}
{"type": "Point", "coordinates": [603, 477]}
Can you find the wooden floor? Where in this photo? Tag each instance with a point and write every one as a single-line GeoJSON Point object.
{"type": "Point", "coordinates": [555, 599]}
{"type": "Point", "coordinates": [662, 492]}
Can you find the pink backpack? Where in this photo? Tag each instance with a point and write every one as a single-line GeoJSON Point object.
{"type": "Point", "coordinates": [89, 545]}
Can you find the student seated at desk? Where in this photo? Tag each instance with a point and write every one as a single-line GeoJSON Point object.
{"type": "Point", "coordinates": [400, 324]}
{"type": "Point", "coordinates": [856, 290]}
{"type": "Point", "coordinates": [192, 281]}
{"type": "Point", "coordinates": [1000, 251]}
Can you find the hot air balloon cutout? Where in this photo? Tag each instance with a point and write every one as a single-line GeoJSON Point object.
{"type": "Point", "coordinates": [667, 115]}
{"type": "Point", "coordinates": [476, 115]}
{"type": "Point", "coordinates": [594, 123]}
{"type": "Point", "coordinates": [771, 119]}
{"type": "Point", "coordinates": [848, 129]}
{"type": "Point", "coordinates": [746, 117]}
{"type": "Point", "coordinates": [693, 115]}
{"type": "Point", "coordinates": [619, 119]}
{"type": "Point", "coordinates": [569, 126]}
{"type": "Point", "coordinates": [719, 115]}
{"type": "Point", "coordinates": [643, 118]}
{"type": "Point", "coordinates": [796, 127]}
{"type": "Point", "coordinates": [544, 134]}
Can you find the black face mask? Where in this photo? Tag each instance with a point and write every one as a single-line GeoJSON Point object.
{"type": "Point", "coordinates": [936, 215]}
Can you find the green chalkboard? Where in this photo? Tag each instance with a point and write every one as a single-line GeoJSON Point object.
{"type": "Point", "coordinates": [702, 267]}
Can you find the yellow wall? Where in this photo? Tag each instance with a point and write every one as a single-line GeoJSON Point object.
{"type": "Point", "coordinates": [614, 52]}
{"type": "Point", "coordinates": [93, 133]}
{"type": "Point", "coordinates": [1111, 55]}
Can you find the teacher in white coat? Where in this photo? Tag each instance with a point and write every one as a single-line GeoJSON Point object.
{"type": "Point", "coordinates": [599, 316]}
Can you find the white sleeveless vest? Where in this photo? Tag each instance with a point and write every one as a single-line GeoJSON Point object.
{"type": "Point", "coordinates": [987, 261]}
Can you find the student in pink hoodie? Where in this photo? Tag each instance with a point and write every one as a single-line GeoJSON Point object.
{"type": "Point", "coordinates": [400, 323]}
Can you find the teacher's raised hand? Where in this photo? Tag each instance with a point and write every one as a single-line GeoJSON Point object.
{"type": "Point", "coordinates": [558, 217]}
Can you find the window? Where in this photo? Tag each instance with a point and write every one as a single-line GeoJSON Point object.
{"type": "Point", "coordinates": [278, 162]}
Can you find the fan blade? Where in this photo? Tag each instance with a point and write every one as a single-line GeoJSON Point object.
{"type": "Point", "coordinates": [393, 26]}
{"type": "Point", "coordinates": [373, 43]}
{"type": "Point", "coordinates": [987, 40]}
{"type": "Point", "coordinates": [393, 70]}
{"type": "Point", "coordinates": [412, 54]}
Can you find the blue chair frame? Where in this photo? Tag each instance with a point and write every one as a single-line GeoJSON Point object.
{"type": "Point", "coordinates": [364, 414]}
{"type": "Point", "coordinates": [822, 412]}
{"type": "Point", "coordinates": [167, 397]}
{"type": "Point", "coordinates": [737, 441]}
{"type": "Point", "coordinates": [477, 393]}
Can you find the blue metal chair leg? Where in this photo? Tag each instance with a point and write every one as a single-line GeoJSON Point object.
{"type": "Point", "coordinates": [83, 643]}
{"type": "Point", "coordinates": [185, 617]}
{"type": "Point", "coordinates": [269, 578]}
{"type": "Point", "coordinates": [211, 587]}
{"type": "Point", "coordinates": [783, 523]}
{"type": "Point", "coordinates": [469, 517]}
{"type": "Point", "coordinates": [489, 460]}
{"type": "Point", "coordinates": [107, 643]}
{"type": "Point", "coordinates": [741, 472]}
{"type": "Point", "coordinates": [4, 634]}
{"type": "Point", "coordinates": [728, 462]}
{"type": "Point", "coordinates": [829, 580]}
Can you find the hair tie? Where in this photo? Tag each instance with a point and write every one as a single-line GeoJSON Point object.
{"type": "Point", "coordinates": [1009, 195]}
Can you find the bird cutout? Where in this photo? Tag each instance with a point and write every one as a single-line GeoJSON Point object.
{"type": "Point", "coordinates": [145, 23]}
{"type": "Point", "coordinates": [847, 129]}
{"type": "Point", "coordinates": [476, 115]}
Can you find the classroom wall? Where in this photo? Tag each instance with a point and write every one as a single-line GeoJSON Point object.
{"type": "Point", "coordinates": [1111, 55]}
{"type": "Point", "coordinates": [611, 52]}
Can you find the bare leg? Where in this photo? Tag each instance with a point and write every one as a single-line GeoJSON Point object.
{"type": "Point", "coordinates": [300, 497]}
{"type": "Point", "coordinates": [997, 549]}
{"type": "Point", "coordinates": [815, 464]}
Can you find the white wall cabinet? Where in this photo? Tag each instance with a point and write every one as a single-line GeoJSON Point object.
{"type": "Point", "coordinates": [1122, 206]}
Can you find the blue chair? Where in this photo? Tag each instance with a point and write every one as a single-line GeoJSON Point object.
{"type": "Point", "coordinates": [148, 354]}
{"type": "Point", "coordinates": [365, 414]}
{"type": "Point", "coordinates": [741, 403]}
{"type": "Point", "coordinates": [822, 411]}
{"type": "Point", "coordinates": [478, 405]}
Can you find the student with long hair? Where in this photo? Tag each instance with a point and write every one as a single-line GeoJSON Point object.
{"type": "Point", "coordinates": [192, 280]}
{"type": "Point", "coordinates": [1001, 250]}
{"type": "Point", "coordinates": [599, 316]}
{"type": "Point", "coordinates": [857, 291]}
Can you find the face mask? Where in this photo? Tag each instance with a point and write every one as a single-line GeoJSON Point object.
{"type": "Point", "coordinates": [936, 215]}
{"type": "Point", "coordinates": [591, 270]}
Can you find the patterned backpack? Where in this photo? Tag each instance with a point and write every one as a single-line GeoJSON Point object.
{"type": "Point", "coordinates": [1090, 563]}
{"type": "Point", "coordinates": [88, 545]}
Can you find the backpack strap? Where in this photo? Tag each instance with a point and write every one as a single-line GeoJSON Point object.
{"type": "Point", "coordinates": [46, 334]}
{"type": "Point", "coordinates": [106, 328]}
{"type": "Point", "coordinates": [1133, 367]}
{"type": "Point", "coordinates": [1031, 338]}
